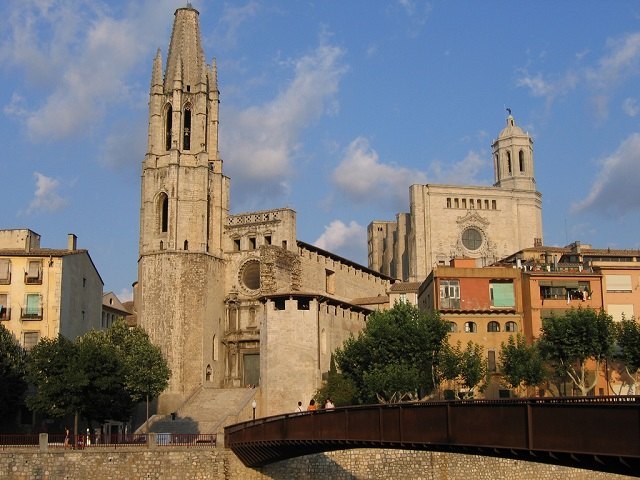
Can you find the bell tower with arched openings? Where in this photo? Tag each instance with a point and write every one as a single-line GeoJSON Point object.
{"type": "Point", "coordinates": [184, 204]}
{"type": "Point", "coordinates": [513, 158]}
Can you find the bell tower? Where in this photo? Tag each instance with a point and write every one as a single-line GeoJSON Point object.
{"type": "Point", "coordinates": [513, 158]}
{"type": "Point", "coordinates": [184, 204]}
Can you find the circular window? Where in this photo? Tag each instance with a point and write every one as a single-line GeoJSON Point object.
{"type": "Point", "coordinates": [250, 275]}
{"type": "Point", "coordinates": [472, 238]}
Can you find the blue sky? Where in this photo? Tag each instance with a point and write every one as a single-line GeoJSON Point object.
{"type": "Point", "coordinates": [332, 108]}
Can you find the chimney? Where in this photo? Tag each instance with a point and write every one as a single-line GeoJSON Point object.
{"type": "Point", "coordinates": [72, 242]}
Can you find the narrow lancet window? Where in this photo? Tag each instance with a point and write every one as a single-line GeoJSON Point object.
{"type": "Point", "coordinates": [521, 158]}
{"type": "Point", "coordinates": [164, 212]}
{"type": "Point", "coordinates": [168, 123]}
{"type": "Point", "coordinates": [186, 137]}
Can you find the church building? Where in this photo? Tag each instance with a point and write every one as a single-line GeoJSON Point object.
{"type": "Point", "coordinates": [233, 301]}
{"type": "Point", "coordinates": [484, 223]}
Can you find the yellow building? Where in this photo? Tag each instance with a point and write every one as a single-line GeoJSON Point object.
{"type": "Point", "coordinates": [45, 292]}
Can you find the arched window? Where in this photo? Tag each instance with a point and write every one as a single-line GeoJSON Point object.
{"type": "Point", "coordinates": [208, 374]}
{"type": "Point", "coordinates": [498, 165]}
{"type": "Point", "coordinates": [511, 327]}
{"type": "Point", "coordinates": [186, 129]}
{"type": "Point", "coordinates": [453, 327]}
{"type": "Point", "coordinates": [470, 327]}
{"type": "Point", "coordinates": [509, 162]}
{"type": "Point", "coordinates": [493, 327]}
{"type": "Point", "coordinates": [186, 245]}
{"type": "Point", "coordinates": [168, 123]}
{"type": "Point", "coordinates": [214, 348]}
{"type": "Point", "coordinates": [163, 204]}
{"type": "Point", "coordinates": [521, 160]}
{"type": "Point", "coordinates": [161, 245]}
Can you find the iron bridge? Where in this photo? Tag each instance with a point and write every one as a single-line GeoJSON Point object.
{"type": "Point", "coordinates": [595, 433]}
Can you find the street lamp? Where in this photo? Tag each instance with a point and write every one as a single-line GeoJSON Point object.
{"type": "Point", "coordinates": [254, 405]}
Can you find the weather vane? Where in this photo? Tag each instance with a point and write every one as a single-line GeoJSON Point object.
{"type": "Point", "coordinates": [509, 110]}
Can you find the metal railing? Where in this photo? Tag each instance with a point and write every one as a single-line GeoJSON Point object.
{"type": "Point", "coordinates": [81, 442]}
{"type": "Point", "coordinates": [598, 433]}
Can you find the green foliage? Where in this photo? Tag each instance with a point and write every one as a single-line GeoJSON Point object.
{"type": "Point", "coordinates": [571, 340]}
{"type": "Point", "coordinates": [392, 357]}
{"type": "Point", "coordinates": [146, 373]}
{"type": "Point", "coordinates": [339, 388]}
{"type": "Point", "coordinates": [462, 369]}
{"type": "Point", "coordinates": [521, 365]}
{"type": "Point", "coordinates": [12, 372]}
{"type": "Point", "coordinates": [59, 378]}
{"type": "Point", "coordinates": [628, 334]}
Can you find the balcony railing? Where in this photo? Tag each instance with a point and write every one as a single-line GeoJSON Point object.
{"type": "Point", "coordinates": [31, 314]}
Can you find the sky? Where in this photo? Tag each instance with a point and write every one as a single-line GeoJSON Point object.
{"type": "Point", "coordinates": [330, 107]}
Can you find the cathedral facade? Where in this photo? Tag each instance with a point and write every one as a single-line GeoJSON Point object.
{"type": "Point", "coordinates": [453, 221]}
{"type": "Point", "coordinates": [234, 301]}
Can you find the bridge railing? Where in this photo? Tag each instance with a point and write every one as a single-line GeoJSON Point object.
{"type": "Point", "coordinates": [591, 426]}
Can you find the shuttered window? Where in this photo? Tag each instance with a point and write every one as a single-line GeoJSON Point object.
{"type": "Point", "coordinates": [618, 283]}
{"type": "Point", "coordinates": [502, 294]}
{"type": "Point", "coordinates": [5, 276]}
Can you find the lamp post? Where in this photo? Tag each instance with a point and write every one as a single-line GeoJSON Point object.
{"type": "Point", "coordinates": [254, 405]}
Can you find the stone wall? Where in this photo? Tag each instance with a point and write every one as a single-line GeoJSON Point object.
{"type": "Point", "coordinates": [219, 464]}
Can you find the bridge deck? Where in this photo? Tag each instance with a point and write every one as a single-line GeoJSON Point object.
{"type": "Point", "coordinates": [596, 433]}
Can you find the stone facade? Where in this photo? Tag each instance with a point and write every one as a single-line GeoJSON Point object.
{"type": "Point", "coordinates": [219, 464]}
{"type": "Point", "coordinates": [45, 292]}
{"type": "Point", "coordinates": [449, 221]}
{"type": "Point", "coordinates": [232, 300]}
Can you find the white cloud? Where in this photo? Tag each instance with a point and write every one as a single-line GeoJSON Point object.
{"type": "Point", "coordinates": [348, 241]}
{"type": "Point", "coordinates": [46, 198]}
{"type": "Point", "coordinates": [464, 172]}
{"type": "Point", "coordinates": [232, 19]}
{"type": "Point", "coordinates": [615, 189]}
{"type": "Point", "coordinates": [622, 61]}
{"type": "Point", "coordinates": [363, 178]}
{"type": "Point", "coordinates": [630, 106]}
{"type": "Point", "coordinates": [80, 57]}
{"type": "Point", "coordinates": [548, 88]}
{"type": "Point", "coordinates": [261, 141]}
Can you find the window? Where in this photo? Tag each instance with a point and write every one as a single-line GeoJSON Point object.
{"type": "Point", "coordinates": [214, 348]}
{"type": "Point", "coordinates": [491, 360]}
{"type": "Point", "coordinates": [453, 327]}
{"type": "Point", "coordinates": [267, 239]}
{"type": "Point", "coordinates": [252, 243]}
{"type": "Point", "coordinates": [330, 281]}
{"type": "Point", "coordinates": [464, 203]}
{"type": "Point", "coordinates": [33, 275]}
{"type": "Point", "coordinates": [5, 310]}
{"type": "Point", "coordinates": [448, 203]}
{"type": "Point", "coordinates": [521, 160]}
{"type": "Point", "coordinates": [472, 238]}
{"type": "Point", "coordinates": [471, 204]}
{"type": "Point", "coordinates": [250, 275]}
{"type": "Point", "coordinates": [479, 202]}
{"type": "Point", "coordinates": [456, 202]}
{"type": "Point", "coordinates": [470, 327]}
{"type": "Point", "coordinates": [33, 309]}
{"type": "Point", "coordinates": [502, 294]}
{"type": "Point", "coordinates": [509, 162]}
{"type": "Point", "coordinates": [168, 120]}
{"type": "Point", "coordinates": [615, 283]}
{"type": "Point", "coordinates": [486, 204]}
{"type": "Point", "coordinates": [236, 244]}
{"type": "Point", "coordinates": [30, 339]}
{"type": "Point", "coordinates": [186, 130]}
{"type": "Point", "coordinates": [5, 271]}
{"type": "Point", "coordinates": [511, 327]}
{"type": "Point", "coordinates": [186, 245]}
{"type": "Point", "coordinates": [449, 294]}
{"type": "Point", "coordinates": [493, 205]}
{"type": "Point", "coordinates": [163, 212]}
{"type": "Point", "coordinates": [493, 327]}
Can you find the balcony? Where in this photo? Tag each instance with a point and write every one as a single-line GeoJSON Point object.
{"type": "Point", "coordinates": [31, 314]}
{"type": "Point", "coordinates": [33, 280]}
{"type": "Point", "coordinates": [5, 314]}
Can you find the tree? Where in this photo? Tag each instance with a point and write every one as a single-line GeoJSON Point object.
{"type": "Point", "coordinates": [463, 370]}
{"type": "Point", "coordinates": [339, 388]}
{"type": "Point", "coordinates": [55, 370]}
{"type": "Point", "coordinates": [146, 373]}
{"type": "Point", "coordinates": [12, 374]}
{"type": "Point", "coordinates": [104, 396]}
{"type": "Point", "coordinates": [628, 353]}
{"type": "Point", "coordinates": [521, 364]}
{"type": "Point", "coordinates": [392, 357]}
{"type": "Point", "coordinates": [572, 340]}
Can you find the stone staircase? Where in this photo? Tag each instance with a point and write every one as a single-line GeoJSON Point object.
{"type": "Point", "coordinates": [207, 411]}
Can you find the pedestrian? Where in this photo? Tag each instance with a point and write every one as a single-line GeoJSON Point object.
{"type": "Point", "coordinates": [299, 407]}
{"type": "Point", "coordinates": [66, 437]}
{"type": "Point", "coordinates": [312, 406]}
{"type": "Point", "coordinates": [328, 405]}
